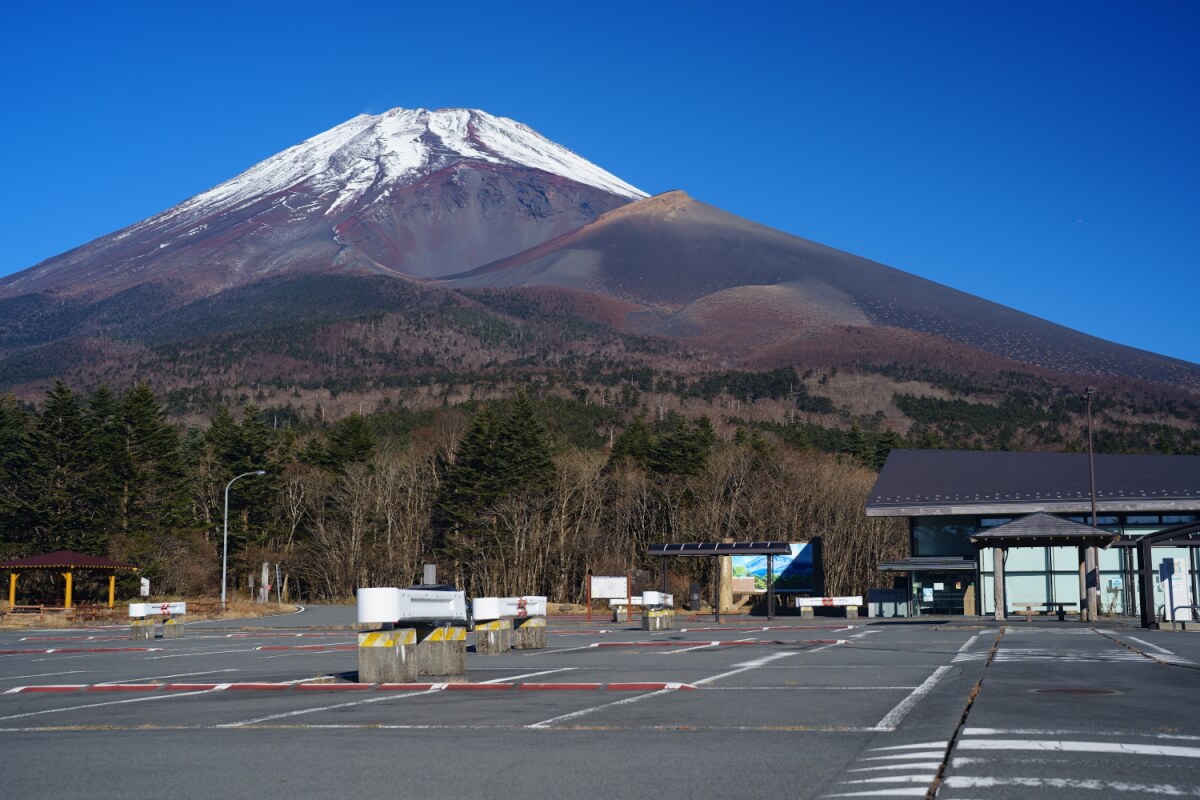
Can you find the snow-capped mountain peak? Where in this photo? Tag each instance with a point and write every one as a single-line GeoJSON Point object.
{"type": "Point", "coordinates": [403, 146]}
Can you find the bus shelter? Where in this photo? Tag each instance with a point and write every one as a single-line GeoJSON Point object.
{"type": "Point", "coordinates": [67, 563]}
{"type": "Point", "coordinates": [717, 549]}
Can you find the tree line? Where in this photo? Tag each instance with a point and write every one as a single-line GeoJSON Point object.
{"type": "Point", "coordinates": [500, 501]}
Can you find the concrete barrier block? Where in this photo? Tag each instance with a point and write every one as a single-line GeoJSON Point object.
{"type": "Point", "coordinates": [387, 656]}
{"type": "Point", "coordinates": [851, 612]}
{"type": "Point", "coordinates": [620, 614]}
{"type": "Point", "coordinates": [141, 629]}
{"type": "Point", "coordinates": [806, 612]}
{"type": "Point", "coordinates": [659, 619]}
{"type": "Point", "coordinates": [493, 638]}
{"type": "Point", "coordinates": [173, 628]}
{"type": "Point", "coordinates": [529, 633]}
{"type": "Point", "coordinates": [441, 651]}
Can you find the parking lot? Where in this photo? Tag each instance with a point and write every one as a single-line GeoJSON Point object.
{"type": "Point", "coordinates": [824, 708]}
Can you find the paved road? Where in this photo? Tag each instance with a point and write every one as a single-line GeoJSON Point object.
{"type": "Point", "coordinates": [746, 709]}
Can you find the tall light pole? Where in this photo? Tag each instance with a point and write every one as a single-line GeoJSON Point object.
{"type": "Point", "coordinates": [225, 546]}
{"type": "Point", "coordinates": [1092, 558]}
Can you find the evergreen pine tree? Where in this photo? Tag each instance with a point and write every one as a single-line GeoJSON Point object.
{"type": "Point", "coordinates": [633, 444]}
{"type": "Point", "coordinates": [155, 499]}
{"type": "Point", "coordinates": [15, 513]}
{"type": "Point", "coordinates": [58, 472]}
{"type": "Point", "coordinates": [350, 442]}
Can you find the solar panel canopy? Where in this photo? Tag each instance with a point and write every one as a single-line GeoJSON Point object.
{"type": "Point", "coordinates": [721, 549]}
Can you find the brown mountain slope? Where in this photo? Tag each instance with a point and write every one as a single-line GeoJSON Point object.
{"type": "Point", "coordinates": [706, 275]}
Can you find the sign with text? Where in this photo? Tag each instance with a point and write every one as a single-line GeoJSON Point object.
{"type": "Point", "coordinates": [609, 588]}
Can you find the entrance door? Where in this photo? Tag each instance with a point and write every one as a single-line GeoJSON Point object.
{"type": "Point", "coordinates": [943, 593]}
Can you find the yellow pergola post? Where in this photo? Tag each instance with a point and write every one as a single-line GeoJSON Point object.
{"type": "Point", "coordinates": [12, 589]}
{"type": "Point", "coordinates": [112, 589]}
{"type": "Point", "coordinates": [67, 575]}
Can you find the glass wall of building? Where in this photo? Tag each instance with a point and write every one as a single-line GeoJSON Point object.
{"type": "Point", "coordinates": [1047, 574]}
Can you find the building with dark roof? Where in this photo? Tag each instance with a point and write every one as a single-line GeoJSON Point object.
{"type": "Point", "coordinates": [951, 497]}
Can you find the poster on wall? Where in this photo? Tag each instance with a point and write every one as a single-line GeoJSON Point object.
{"type": "Point", "coordinates": [793, 572]}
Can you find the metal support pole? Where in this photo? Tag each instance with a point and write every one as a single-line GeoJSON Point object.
{"type": "Point", "coordinates": [998, 581]}
{"type": "Point", "coordinates": [225, 537]}
{"type": "Point", "coordinates": [717, 590]}
{"type": "Point", "coordinates": [770, 587]}
{"type": "Point", "coordinates": [1092, 556]}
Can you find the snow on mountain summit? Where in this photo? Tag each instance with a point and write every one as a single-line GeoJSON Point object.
{"type": "Point", "coordinates": [402, 146]}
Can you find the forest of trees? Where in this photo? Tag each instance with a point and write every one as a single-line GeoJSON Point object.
{"type": "Point", "coordinates": [523, 495]}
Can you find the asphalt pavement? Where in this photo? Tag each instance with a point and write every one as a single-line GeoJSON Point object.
{"type": "Point", "coordinates": [271, 707]}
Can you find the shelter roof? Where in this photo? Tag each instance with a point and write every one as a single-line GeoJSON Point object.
{"type": "Point", "coordinates": [940, 482]}
{"type": "Point", "coordinates": [1044, 530]}
{"type": "Point", "coordinates": [65, 559]}
{"type": "Point", "coordinates": [721, 549]}
{"type": "Point", "coordinates": [926, 563]}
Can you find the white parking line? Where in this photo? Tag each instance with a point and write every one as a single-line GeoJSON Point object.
{"type": "Point", "coordinates": [1044, 733]}
{"type": "Point", "coordinates": [1108, 787]}
{"type": "Point", "coordinates": [161, 677]}
{"type": "Point", "coordinates": [194, 653]}
{"type": "Point", "coordinates": [109, 703]}
{"type": "Point", "coordinates": [1067, 746]}
{"type": "Point", "coordinates": [529, 675]}
{"type": "Point", "coordinates": [44, 675]}
{"type": "Point", "coordinates": [1154, 647]}
{"type": "Point", "coordinates": [690, 649]}
{"type": "Point", "coordinates": [746, 666]}
{"type": "Point", "coordinates": [546, 723]}
{"type": "Point", "coordinates": [437, 687]}
{"type": "Point", "coordinates": [894, 717]}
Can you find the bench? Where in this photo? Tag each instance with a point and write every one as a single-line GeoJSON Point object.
{"type": "Point", "coordinates": [1042, 609]}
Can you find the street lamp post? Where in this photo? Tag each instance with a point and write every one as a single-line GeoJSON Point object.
{"type": "Point", "coordinates": [225, 546]}
{"type": "Point", "coordinates": [1092, 555]}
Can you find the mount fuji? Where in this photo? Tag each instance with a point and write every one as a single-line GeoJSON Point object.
{"type": "Point", "coordinates": [413, 193]}
{"type": "Point", "coordinates": [447, 240]}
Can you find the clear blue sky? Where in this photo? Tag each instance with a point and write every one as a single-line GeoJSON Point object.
{"type": "Point", "coordinates": [1040, 154]}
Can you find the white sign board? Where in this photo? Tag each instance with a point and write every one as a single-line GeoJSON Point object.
{"type": "Point", "coordinates": [141, 610]}
{"type": "Point", "coordinates": [489, 608]}
{"type": "Point", "coordinates": [661, 599]}
{"type": "Point", "coordinates": [609, 588]}
{"type": "Point", "coordinates": [815, 602]}
{"type": "Point", "coordinates": [145, 589]}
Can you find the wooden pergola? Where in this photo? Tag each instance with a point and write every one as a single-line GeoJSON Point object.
{"type": "Point", "coordinates": [1044, 530]}
{"type": "Point", "coordinates": [69, 563]}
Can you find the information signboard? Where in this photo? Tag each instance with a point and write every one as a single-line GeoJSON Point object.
{"type": "Point", "coordinates": [793, 572]}
{"type": "Point", "coordinates": [609, 588]}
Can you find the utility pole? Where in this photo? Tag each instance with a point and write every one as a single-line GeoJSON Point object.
{"type": "Point", "coordinates": [1092, 556]}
